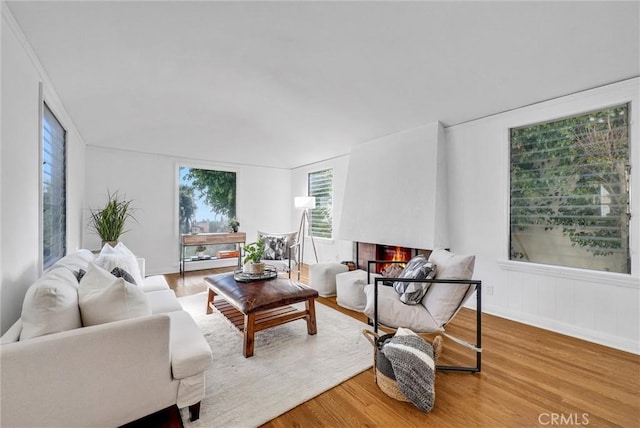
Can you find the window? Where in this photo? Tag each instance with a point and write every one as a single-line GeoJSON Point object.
{"type": "Point", "coordinates": [207, 201]}
{"type": "Point", "coordinates": [570, 191]}
{"type": "Point", "coordinates": [321, 217]}
{"type": "Point", "coordinates": [54, 206]}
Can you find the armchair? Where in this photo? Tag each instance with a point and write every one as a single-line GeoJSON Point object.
{"type": "Point", "coordinates": [280, 249]}
{"type": "Point", "coordinates": [445, 295]}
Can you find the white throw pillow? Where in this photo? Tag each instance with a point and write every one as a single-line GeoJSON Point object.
{"type": "Point", "coordinates": [51, 305]}
{"type": "Point", "coordinates": [104, 298]}
{"type": "Point", "coordinates": [120, 256]}
{"type": "Point", "coordinates": [75, 261]}
{"type": "Point", "coordinates": [443, 300]}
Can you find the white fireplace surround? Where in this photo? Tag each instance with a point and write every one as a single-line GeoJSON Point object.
{"type": "Point", "coordinates": [396, 191]}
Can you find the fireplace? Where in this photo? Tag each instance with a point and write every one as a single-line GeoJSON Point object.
{"type": "Point", "coordinates": [366, 251]}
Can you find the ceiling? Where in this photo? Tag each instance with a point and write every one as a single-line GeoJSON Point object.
{"type": "Point", "coordinates": [284, 84]}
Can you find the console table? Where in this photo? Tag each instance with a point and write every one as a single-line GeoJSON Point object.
{"type": "Point", "coordinates": [192, 240]}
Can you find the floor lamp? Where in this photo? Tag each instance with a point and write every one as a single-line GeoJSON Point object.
{"type": "Point", "coordinates": [305, 203]}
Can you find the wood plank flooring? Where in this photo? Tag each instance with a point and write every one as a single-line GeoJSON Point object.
{"type": "Point", "coordinates": [530, 377]}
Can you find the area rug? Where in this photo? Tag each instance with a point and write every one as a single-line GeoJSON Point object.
{"type": "Point", "coordinates": [288, 367]}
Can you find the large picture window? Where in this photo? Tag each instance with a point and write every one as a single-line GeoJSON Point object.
{"type": "Point", "coordinates": [321, 217]}
{"type": "Point", "coordinates": [570, 191]}
{"type": "Point", "coordinates": [207, 202]}
{"type": "Point", "coordinates": [54, 198]}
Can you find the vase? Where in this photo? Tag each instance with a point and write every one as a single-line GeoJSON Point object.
{"type": "Point", "coordinates": [253, 268]}
{"type": "Point", "coordinates": [111, 243]}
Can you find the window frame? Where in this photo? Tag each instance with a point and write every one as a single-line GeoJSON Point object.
{"type": "Point", "coordinates": [556, 219]}
{"type": "Point", "coordinates": [45, 263]}
{"type": "Point", "coordinates": [319, 205]}
{"type": "Point", "coordinates": [205, 166]}
{"type": "Point", "coordinates": [579, 102]}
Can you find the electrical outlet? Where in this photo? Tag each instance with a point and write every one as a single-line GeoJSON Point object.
{"type": "Point", "coordinates": [489, 289]}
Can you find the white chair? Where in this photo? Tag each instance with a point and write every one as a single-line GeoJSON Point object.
{"type": "Point", "coordinates": [280, 249]}
{"type": "Point", "coordinates": [445, 296]}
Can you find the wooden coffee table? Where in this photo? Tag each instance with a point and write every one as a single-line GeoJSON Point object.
{"type": "Point", "coordinates": [256, 306]}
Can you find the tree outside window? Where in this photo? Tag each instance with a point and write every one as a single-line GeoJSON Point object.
{"type": "Point", "coordinates": [207, 201]}
{"type": "Point", "coordinates": [570, 191]}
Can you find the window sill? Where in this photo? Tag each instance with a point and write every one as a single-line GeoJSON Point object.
{"type": "Point", "coordinates": [597, 277]}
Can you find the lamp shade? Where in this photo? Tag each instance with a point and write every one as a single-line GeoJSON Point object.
{"type": "Point", "coordinates": [305, 202]}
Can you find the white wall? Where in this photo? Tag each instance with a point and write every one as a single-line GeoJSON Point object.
{"type": "Point", "coordinates": [20, 172]}
{"type": "Point", "coordinates": [333, 250]}
{"type": "Point", "coordinates": [400, 179]}
{"type": "Point", "coordinates": [151, 180]}
{"type": "Point", "coordinates": [600, 307]}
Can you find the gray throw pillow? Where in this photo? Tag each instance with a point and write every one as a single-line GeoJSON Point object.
{"type": "Point", "coordinates": [275, 247]}
{"type": "Point", "coordinates": [411, 293]}
{"type": "Point", "coordinates": [118, 272]}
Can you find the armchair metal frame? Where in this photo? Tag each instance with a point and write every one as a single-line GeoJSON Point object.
{"type": "Point", "coordinates": [478, 291]}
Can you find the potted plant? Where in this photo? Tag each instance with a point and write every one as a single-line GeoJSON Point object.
{"type": "Point", "coordinates": [200, 249]}
{"type": "Point", "coordinates": [109, 221]}
{"type": "Point", "coordinates": [253, 258]}
{"type": "Point", "coordinates": [233, 225]}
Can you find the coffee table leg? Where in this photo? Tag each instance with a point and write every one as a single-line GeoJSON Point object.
{"type": "Point", "coordinates": [311, 317]}
{"type": "Point", "coordinates": [210, 301]}
{"type": "Point", "coordinates": [249, 331]}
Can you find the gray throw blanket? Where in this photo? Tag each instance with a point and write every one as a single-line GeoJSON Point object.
{"type": "Point", "coordinates": [412, 360]}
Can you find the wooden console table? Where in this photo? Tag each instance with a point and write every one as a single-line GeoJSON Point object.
{"type": "Point", "coordinates": [192, 240]}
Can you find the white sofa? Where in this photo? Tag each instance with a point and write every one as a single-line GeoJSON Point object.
{"type": "Point", "coordinates": [99, 375]}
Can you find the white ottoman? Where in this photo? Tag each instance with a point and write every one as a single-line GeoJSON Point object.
{"type": "Point", "coordinates": [350, 289]}
{"type": "Point", "coordinates": [322, 277]}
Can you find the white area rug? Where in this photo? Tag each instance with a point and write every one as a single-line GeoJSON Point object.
{"type": "Point", "coordinates": [288, 367]}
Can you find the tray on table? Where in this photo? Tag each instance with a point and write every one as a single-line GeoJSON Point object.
{"type": "Point", "coordinates": [269, 273]}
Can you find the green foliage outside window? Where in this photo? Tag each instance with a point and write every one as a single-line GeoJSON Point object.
{"type": "Point", "coordinates": [572, 175]}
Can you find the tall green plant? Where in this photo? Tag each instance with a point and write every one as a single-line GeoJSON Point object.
{"type": "Point", "coordinates": [109, 221]}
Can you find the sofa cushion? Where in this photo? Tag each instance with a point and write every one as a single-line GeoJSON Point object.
{"type": "Point", "coordinates": [119, 256]}
{"type": "Point", "coordinates": [51, 305]}
{"type": "Point", "coordinates": [104, 298]}
{"type": "Point", "coordinates": [154, 283]}
{"type": "Point", "coordinates": [411, 293]}
{"type": "Point", "coordinates": [162, 301]}
{"type": "Point", "coordinates": [443, 300]}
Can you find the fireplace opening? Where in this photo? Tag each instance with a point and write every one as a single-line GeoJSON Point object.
{"type": "Point", "coordinates": [392, 253]}
{"type": "Point", "coordinates": [366, 251]}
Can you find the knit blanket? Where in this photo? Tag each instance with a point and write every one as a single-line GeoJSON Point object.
{"type": "Point", "coordinates": [413, 365]}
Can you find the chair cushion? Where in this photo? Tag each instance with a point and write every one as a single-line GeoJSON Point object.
{"type": "Point", "coordinates": [443, 300]}
{"type": "Point", "coordinates": [51, 305]}
{"type": "Point", "coordinates": [104, 298]}
{"type": "Point", "coordinates": [393, 313]}
{"type": "Point", "coordinates": [418, 267]}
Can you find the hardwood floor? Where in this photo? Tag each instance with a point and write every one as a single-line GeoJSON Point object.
{"type": "Point", "coordinates": [530, 377]}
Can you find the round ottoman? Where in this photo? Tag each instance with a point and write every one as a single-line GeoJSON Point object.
{"type": "Point", "coordinates": [350, 290]}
